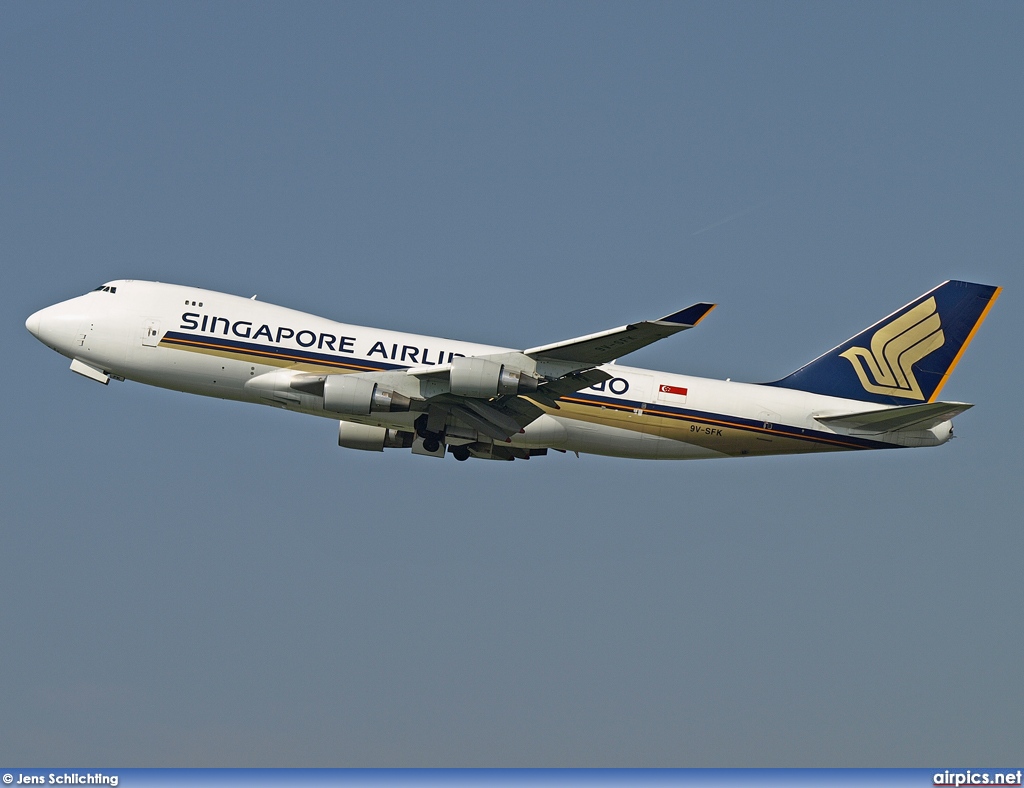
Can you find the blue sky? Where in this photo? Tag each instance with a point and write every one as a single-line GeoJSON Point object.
{"type": "Point", "coordinates": [191, 582]}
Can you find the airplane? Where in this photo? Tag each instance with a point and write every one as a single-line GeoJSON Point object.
{"type": "Point", "coordinates": [387, 389]}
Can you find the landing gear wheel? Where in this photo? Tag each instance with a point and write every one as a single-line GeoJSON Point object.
{"type": "Point", "coordinates": [461, 453]}
{"type": "Point", "coordinates": [431, 444]}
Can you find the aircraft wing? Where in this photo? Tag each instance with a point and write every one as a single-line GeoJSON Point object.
{"type": "Point", "coordinates": [546, 374]}
{"type": "Point", "coordinates": [606, 346]}
{"type": "Point", "coordinates": [562, 368]}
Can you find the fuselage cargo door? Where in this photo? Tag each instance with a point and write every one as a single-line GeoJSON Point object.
{"type": "Point", "coordinates": [151, 333]}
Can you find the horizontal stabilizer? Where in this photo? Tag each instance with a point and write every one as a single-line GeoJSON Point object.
{"type": "Point", "coordinates": [917, 417]}
{"type": "Point", "coordinates": [606, 346]}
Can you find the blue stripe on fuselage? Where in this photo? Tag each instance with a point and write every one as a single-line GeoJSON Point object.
{"type": "Point", "coordinates": [296, 355]}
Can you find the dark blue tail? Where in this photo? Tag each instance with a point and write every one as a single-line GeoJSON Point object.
{"type": "Point", "coordinates": [906, 357]}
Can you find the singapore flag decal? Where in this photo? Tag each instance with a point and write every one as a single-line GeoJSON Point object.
{"type": "Point", "coordinates": [667, 393]}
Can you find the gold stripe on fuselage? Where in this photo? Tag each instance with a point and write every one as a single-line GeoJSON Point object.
{"type": "Point", "coordinates": [273, 358]}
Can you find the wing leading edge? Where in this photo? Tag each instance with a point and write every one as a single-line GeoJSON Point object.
{"type": "Point", "coordinates": [606, 346]}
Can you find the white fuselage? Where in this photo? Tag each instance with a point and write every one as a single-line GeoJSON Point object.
{"type": "Point", "coordinates": [225, 346]}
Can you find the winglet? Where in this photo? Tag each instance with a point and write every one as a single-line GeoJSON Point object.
{"type": "Point", "coordinates": [690, 316]}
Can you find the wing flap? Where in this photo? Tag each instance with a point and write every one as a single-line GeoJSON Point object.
{"type": "Point", "coordinates": [571, 383]}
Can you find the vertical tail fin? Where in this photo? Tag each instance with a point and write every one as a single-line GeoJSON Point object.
{"type": "Point", "coordinates": [906, 357]}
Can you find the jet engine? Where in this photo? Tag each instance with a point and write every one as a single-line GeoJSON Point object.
{"type": "Point", "coordinates": [483, 378]}
{"type": "Point", "coordinates": [367, 437]}
{"type": "Point", "coordinates": [358, 396]}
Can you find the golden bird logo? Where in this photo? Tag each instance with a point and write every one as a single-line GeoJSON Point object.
{"type": "Point", "coordinates": [895, 348]}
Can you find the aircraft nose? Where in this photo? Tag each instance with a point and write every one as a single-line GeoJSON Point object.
{"type": "Point", "coordinates": [32, 324]}
{"type": "Point", "coordinates": [55, 326]}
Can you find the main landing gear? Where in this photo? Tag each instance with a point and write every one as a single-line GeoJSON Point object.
{"type": "Point", "coordinates": [432, 439]}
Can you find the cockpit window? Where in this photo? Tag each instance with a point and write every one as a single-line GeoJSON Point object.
{"type": "Point", "coordinates": [105, 289]}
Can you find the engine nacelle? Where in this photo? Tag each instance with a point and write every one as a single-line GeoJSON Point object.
{"type": "Point", "coordinates": [483, 378]}
{"type": "Point", "coordinates": [366, 437]}
{"type": "Point", "coordinates": [360, 397]}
